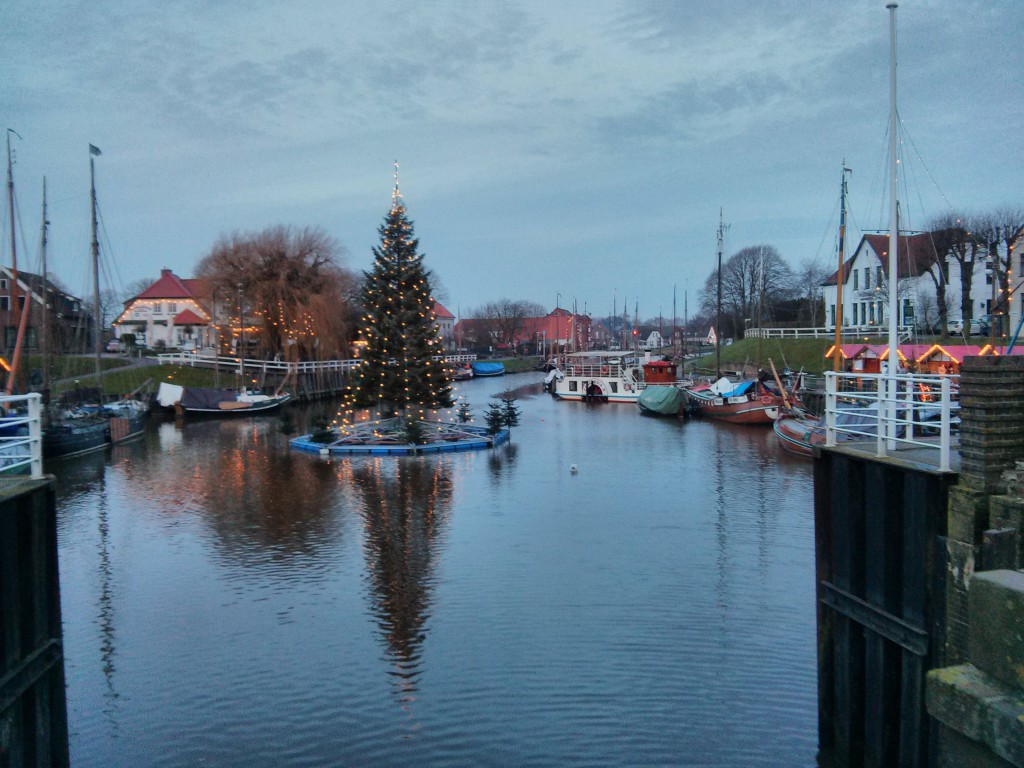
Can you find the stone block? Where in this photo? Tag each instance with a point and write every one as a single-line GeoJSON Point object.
{"type": "Point", "coordinates": [960, 562]}
{"type": "Point", "coordinates": [968, 514]}
{"type": "Point", "coordinates": [996, 644]}
{"type": "Point", "coordinates": [969, 702]}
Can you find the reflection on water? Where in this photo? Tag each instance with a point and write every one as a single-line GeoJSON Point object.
{"type": "Point", "coordinates": [406, 502]}
{"type": "Point", "coordinates": [229, 602]}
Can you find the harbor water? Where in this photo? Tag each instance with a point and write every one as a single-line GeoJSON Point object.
{"type": "Point", "coordinates": [228, 601]}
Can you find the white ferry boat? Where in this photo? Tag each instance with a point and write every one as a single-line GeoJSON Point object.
{"type": "Point", "coordinates": [607, 377]}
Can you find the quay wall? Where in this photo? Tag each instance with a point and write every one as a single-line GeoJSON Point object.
{"type": "Point", "coordinates": [977, 698]}
{"type": "Point", "coordinates": [33, 709]}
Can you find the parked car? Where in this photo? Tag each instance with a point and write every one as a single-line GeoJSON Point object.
{"type": "Point", "coordinates": [113, 345]}
{"type": "Point", "coordinates": [955, 327]}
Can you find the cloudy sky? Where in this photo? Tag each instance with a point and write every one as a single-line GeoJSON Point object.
{"type": "Point", "coordinates": [548, 150]}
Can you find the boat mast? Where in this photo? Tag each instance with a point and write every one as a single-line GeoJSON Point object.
{"type": "Point", "coordinates": [95, 268]}
{"type": "Point", "coordinates": [893, 202]}
{"type": "Point", "coordinates": [718, 311]}
{"type": "Point", "coordinates": [12, 377]}
{"type": "Point", "coordinates": [45, 343]}
{"type": "Point", "coordinates": [836, 350]}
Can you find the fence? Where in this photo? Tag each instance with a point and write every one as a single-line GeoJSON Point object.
{"type": "Point", "coordinates": [282, 367]}
{"type": "Point", "coordinates": [21, 436]}
{"type": "Point", "coordinates": [895, 411]}
{"type": "Point", "coordinates": [905, 332]}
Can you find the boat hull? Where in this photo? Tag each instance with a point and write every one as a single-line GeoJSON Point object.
{"type": "Point", "coordinates": [661, 400]}
{"type": "Point", "coordinates": [799, 436]}
{"type": "Point", "coordinates": [736, 410]}
{"type": "Point", "coordinates": [487, 369]}
{"type": "Point", "coordinates": [73, 439]}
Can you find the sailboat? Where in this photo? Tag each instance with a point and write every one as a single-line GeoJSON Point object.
{"type": "Point", "coordinates": [86, 427]}
{"type": "Point", "coordinates": [798, 431]}
{"type": "Point", "coordinates": [745, 402]}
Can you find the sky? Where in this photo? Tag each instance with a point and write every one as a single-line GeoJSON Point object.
{"type": "Point", "coordinates": [578, 153]}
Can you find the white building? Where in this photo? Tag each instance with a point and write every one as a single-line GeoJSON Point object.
{"type": "Point", "coordinates": [173, 312]}
{"type": "Point", "coordinates": [866, 287]}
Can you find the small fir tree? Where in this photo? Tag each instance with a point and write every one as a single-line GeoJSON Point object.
{"type": "Point", "coordinates": [465, 415]}
{"type": "Point", "coordinates": [495, 418]}
{"type": "Point", "coordinates": [509, 412]}
{"type": "Point", "coordinates": [399, 327]}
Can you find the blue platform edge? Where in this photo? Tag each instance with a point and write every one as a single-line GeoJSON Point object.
{"type": "Point", "coordinates": [303, 443]}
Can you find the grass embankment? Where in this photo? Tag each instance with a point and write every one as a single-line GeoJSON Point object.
{"type": "Point", "coordinates": [798, 354]}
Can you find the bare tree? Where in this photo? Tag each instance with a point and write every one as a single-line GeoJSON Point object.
{"type": "Point", "coordinates": [807, 282]}
{"type": "Point", "coordinates": [754, 280]}
{"type": "Point", "coordinates": [290, 286]}
{"type": "Point", "coordinates": [505, 318]}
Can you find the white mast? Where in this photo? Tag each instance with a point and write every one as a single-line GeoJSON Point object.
{"type": "Point", "coordinates": [893, 201]}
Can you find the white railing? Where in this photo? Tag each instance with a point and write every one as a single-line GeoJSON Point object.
{"type": "Point", "coordinates": [901, 411]}
{"type": "Point", "coordinates": [905, 332]}
{"type": "Point", "coordinates": [194, 359]}
{"type": "Point", "coordinates": [21, 435]}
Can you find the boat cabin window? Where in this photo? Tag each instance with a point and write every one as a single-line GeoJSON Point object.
{"type": "Point", "coordinates": [572, 386]}
{"type": "Point", "coordinates": [614, 386]}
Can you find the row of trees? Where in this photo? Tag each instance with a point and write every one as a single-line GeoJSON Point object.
{"type": "Point", "coordinates": [760, 288]}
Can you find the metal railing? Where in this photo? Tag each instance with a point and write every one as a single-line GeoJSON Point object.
{"type": "Point", "coordinates": [21, 435]}
{"type": "Point", "coordinates": [895, 411]}
{"type": "Point", "coordinates": [228, 363]}
{"type": "Point", "coordinates": [905, 332]}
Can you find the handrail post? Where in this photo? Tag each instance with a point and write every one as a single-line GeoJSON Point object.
{"type": "Point", "coordinates": [944, 429]}
{"type": "Point", "coordinates": [831, 381]}
{"type": "Point", "coordinates": [35, 434]}
{"type": "Point", "coordinates": [911, 410]}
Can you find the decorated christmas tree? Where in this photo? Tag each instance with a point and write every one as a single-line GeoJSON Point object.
{"type": "Point", "coordinates": [401, 371]}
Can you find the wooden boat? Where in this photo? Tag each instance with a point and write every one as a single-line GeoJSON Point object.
{"type": "Point", "coordinates": [216, 402]}
{"type": "Point", "coordinates": [798, 433]}
{"type": "Point", "coordinates": [463, 374]}
{"type": "Point", "coordinates": [487, 368]}
{"type": "Point", "coordinates": [746, 402]}
{"type": "Point", "coordinates": [661, 400]}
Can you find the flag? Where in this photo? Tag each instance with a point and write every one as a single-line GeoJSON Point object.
{"type": "Point", "coordinates": [94, 150]}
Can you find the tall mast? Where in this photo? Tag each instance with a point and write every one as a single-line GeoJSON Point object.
{"type": "Point", "coordinates": [46, 294]}
{"type": "Point", "coordinates": [12, 377]}
{"type": "Point", "coordinates": [836, 354]}
{"type": "Point", "coordinates": [718, 311]}
{"type": "Point", "coordinates": [893, 201]}
{"type": "Point", "coordinates": [95, 268]}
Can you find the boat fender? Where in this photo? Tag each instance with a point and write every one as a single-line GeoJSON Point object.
{"type": "Point", "coordinates": [604, 370]}
{"type": "Point", "coordinates": [766, 400]}
{"type": "Point", "coordinates": [628, 387]}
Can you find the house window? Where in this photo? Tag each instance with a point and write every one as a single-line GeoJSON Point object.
{"type": "Point", "coordinates": [854, 315]}
{"type": "Point", "coordinates": [5, 303]}
{"type": "Point", "coordinates": [832, 313]}
{"type": "Point", "coordinates": [879, 281]}
{"type": "Point", "coordinates": [880, 317]}
{"type": "Point", "coordinates": [158, 308]}
{"type": "Point", "coordinates": [172, 307]}
{"type": "Point", "coordinates": [856, 280]}
{"type": "Point", "coordinates": [871, 308]}
{"type": "Point", "coordinates": [867, 278]}
{"type": "Point", "coordinates": [3, 284]}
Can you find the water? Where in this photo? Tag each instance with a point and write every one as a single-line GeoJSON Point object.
{"type": "Point", "coordinates": [229, 602]}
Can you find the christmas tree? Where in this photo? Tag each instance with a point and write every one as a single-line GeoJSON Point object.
{"type": "Point", "coordinates": [399, 372]}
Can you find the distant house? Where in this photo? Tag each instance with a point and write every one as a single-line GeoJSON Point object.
{"type": "Point", "coordinates": [866, 294]}
{"type": "Point", "coordinates": [445, 326]}
{"type": "Point", "coordinates": [172, 312]}
{"type": "Point", "coordinates": [70, 319]}
{"type": "Point", "coordinates": [559, 330]}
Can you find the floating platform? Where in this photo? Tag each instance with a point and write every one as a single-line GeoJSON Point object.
{"type": "Point", "coordinates": [443, 438]}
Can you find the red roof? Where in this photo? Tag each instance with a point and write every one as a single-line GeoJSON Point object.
{"type": "Point", "coordinates": [920, 247]}
{"type": "Point", "coordinates": [440, 311]}
{"type": "Point", "coordinates": [188, 317]}
{"type": "Point", "coordinates": [169, 286]}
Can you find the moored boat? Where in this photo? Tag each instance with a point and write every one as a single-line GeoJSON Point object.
{"type": "Point", "coordinates": [607, 376]}
{"type": "Point", "coordinates": [487, 368]}
{"type": "Point", "coordinates": [661, 400]}
{"type": "Point", "coordinates": [216, 402]}
{"type": "Point", "coordinates": [746, 402]}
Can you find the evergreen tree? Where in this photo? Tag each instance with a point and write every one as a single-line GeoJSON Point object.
{"type": "Point", "coordinates": [509, 412]}
{"type": "Point", "coordinates": [399, 327]}
{"type": "Point", "coordinates": [465, 414]}
{"type": "Point", "coordinates": [494, 417]}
